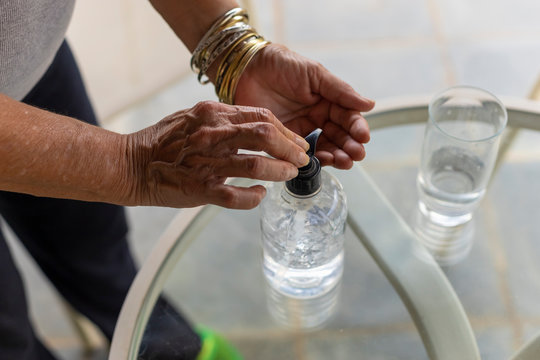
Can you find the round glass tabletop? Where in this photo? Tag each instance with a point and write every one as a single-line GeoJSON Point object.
{"type": "Point", "coordinates": [392, 304]}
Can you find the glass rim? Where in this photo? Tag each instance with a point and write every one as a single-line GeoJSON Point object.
{"type": "Point", "coordinates": [468, 87]}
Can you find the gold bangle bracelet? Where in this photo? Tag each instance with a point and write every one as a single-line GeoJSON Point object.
{"type": "Point", "coordinates": [233, 62]}
{"type": "Point", "coordinates": [231, 40]}
{"type": "Point", "coordinates": [235, 78]}
{"type": "Point", "coordinates": [224, 94]}
{"type": "Point", "coordinates": [216, 52]}
{"type": "Point", "coordinates": [225, 62]}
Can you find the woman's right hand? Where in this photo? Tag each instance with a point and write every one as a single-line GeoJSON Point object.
{"type": "Point", "coordinates": [184, 160]}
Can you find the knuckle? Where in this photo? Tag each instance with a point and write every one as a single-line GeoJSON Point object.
{"type": "Point", "coordinates": [314, 66]}
{"type": "Point", "coordinates": [254, 166]}
{"type": "Point", "coordinates": [230, 198]}
{"type": "Point", "coordinates": [263, 114]}
{"type": "Point", "coordinates": [205, 107]}
{"type": "Point", "coordinates": [286, 171]}
{"type": "Point", "coordinates": [317, 66]}
{"type": "Point", "coordinates": [265, 131]}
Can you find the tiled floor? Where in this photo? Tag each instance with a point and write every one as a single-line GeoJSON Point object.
{"type": "Point", "coordinates": [390, 48]}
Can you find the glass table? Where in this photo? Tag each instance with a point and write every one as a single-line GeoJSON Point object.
{"type": "Point", "coordinates": [393, 304]}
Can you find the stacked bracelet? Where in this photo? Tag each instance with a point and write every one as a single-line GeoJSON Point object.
{"type": "Point", "coordinates": [237, 42]}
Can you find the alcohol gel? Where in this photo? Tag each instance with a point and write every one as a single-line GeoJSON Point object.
{"type": "Point", "coordinates": [303, 224]}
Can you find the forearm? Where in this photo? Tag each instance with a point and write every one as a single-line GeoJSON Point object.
{"type": "Point", "coordinates": [191, 19]}
{"type": "Point", "coordinates": [45, 154]}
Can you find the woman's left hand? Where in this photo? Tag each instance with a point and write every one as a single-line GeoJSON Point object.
{"type": "Point", "coordinates": [305, 96]}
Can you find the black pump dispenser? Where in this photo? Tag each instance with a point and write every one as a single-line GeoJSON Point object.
{"type": "Point", "coordinates": [308, 181]}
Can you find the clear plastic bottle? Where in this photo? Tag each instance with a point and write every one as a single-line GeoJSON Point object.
{"type": "Point", "coordinates": [303, 224]}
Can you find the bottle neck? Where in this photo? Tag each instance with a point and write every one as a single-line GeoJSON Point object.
{"type": "Point", "coordinates": [297, 196]}
{"type": "Point", "coordinates": [302, 200]}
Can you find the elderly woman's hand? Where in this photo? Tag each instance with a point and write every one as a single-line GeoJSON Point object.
{"type": "Point", "coordinates": [184, 160]}
{"type": "Point", "coordinates": [304, 96]}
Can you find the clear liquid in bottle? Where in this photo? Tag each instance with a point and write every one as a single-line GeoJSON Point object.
{"type": "Point", "coordinates": [302, 236]}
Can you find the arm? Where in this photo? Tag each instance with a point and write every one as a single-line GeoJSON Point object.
{"type": "Point", "coordinates": [181, 161]}
{"type": "Point", "coordinates": [46, 154]}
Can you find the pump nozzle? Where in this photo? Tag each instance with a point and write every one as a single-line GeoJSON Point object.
{"type": "Point", "coordinates": [308, 180]}
{"type": "Point", "coordinates": [312, 141]}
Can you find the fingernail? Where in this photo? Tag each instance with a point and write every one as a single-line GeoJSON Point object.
{"type": "Point", "coordinates": [303, 158]}
{"type": "Point", "coordinates": [302, 142]}
{"type": "Point", "coordinates": [372, 102]}
{"type": "Point", "coordinates": [293, 172]}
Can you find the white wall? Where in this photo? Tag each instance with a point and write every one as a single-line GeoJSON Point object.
{"type": "Point", "coordinates": [126, 52]}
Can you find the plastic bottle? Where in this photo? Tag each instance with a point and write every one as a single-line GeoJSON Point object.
{"type": "Point", "coordinates": [303, 224]}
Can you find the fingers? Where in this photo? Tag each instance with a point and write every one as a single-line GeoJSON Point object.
{"type": "Point", "coordinates": [254, 167]}
{"type": "Point", "coordinates": [342, 140]}
{"type": "Point", "coordinates": [211, 113]}
{"type": "Point", "coordinates": [343, 129]}
{"type": "Point", "coordinates": [234, 197]}
{"type": "Point", "coordinates": [257, 129]}
{"type": "Point", "coordinates": [351, 121]}
{"type": "Point", "coordinates": [265, 137]}
{"type": "Point", "coordinates": [331, 155]}
{"type": "Point", "coordinates": [338, 91]}
{"type": "Point", "coordinates": [326, 158]}
{"type": "Point", "coordinates": [247, 114]}
{"type": "Point", "coordinates": [220, 130]}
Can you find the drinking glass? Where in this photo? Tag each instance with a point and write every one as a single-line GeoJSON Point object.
{"type": "Point", "coordinates": [459, 151]}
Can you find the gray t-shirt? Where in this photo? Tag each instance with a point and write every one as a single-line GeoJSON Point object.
{"type": "Point", "coordinates": [31, 31]}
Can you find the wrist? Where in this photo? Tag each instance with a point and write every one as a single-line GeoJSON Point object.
{"type": "Point", "coordinates": [190, 20]}
{"type": "Point", "coordinates": [104, 175]}
{"type": "Point", "coordinates": [136, 155]}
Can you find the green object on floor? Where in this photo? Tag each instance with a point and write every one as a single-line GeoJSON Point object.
{"type": "Point", "coordinates": [215, 347]}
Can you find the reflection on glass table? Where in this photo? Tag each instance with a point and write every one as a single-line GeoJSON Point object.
{"type": "Point", "coordinates": [393, 305]}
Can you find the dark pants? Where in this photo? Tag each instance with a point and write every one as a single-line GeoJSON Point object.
{"type": "Point", "coordinates": [81, 246]}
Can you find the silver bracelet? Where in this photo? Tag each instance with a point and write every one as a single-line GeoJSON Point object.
{"type": "Point", "coordinates": [213, 43]}
{"type": "Point", "coordinates": [223, 33]}
{"type": "Point", "coordinates": [216, 53]}
{"type": "Point", "coordinates": [229, 16]}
